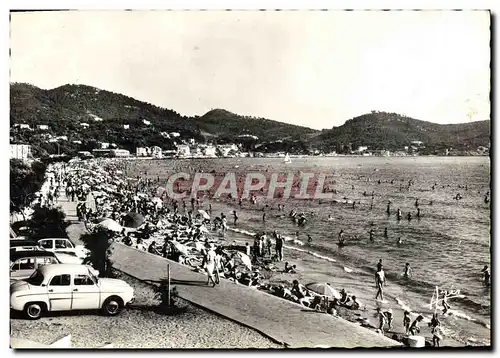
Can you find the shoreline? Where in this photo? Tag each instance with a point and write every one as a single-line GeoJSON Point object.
{"type": "Point", "coordinates": [255, 222]}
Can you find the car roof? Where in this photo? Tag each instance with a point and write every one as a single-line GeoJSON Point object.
{"type": "Point", "coordinates": [53, 238]}
{"type": "Point", "coordinates": [14, 255]}
{"type": "Point", "coordinates": [15, 243]}
{"type": "Point", "coordinates": [63, 269]}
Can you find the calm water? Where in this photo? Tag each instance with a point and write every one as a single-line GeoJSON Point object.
{"type": "Point", "coordinates": [447, 247]}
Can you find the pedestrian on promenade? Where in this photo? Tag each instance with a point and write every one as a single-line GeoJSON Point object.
{"type": "Point", "coordinates": [279, 246]}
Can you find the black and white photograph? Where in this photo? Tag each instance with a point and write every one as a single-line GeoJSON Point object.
{"type": "Point", "coordinates": [250, 179]}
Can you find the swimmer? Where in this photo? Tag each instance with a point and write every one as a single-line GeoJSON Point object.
{"type": "Point", "coordinates": [371, 235]}
{"type": "Point", "coordinates": [406, 321]}
{"type": "Point", "coordinates": [399, 215]}
{"type": "Point", "coordinates": [408, 216]}
{"type": "Point", "coordinates": [309, 239]}
{"type": "Point", "coordinates": [418, 213]}
{"type": "Point", "coordinates": [386, 235]}
{"type": "Point", "coordinates": [408, 271]}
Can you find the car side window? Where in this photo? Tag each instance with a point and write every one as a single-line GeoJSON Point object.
{"type": "Point", "coordinates": [46, 244]}
{"type": "Point", "coordinates": [61, 280]}
{"type": "Point", "coordinates": [46, 260]}
{"type": "Point", "coordinates": [83, 280]}
{"type": "Point", "coordinates": [69, 244]}
{"type": "Point", "coordinates": [26, 264]}
{"type": "Point", "coordinates": [60, 244]}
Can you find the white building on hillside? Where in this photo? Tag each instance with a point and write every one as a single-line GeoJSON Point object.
{"type": "Point", "coordinates": [141, 152]}
{"type": "Point", "coordinates": [183, 150]}
{"type": "Point", "coordinates": [156, 152]}
{"type": "Point", "coordinates": [20, 151]}
{"type": "Point", "coordinates": [209, 151]}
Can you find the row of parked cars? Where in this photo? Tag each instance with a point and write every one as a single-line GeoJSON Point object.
{"type": "Point", "coordinates": [49, 275]}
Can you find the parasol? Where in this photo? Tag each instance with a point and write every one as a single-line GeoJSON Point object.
{"type": "Point", "coordinates": [204, 214]}
{"type": "Point", "coordinates": [245, 259]}
{"type": "Point", "coordinates": [181, 248]}
{"type": "Point", "coordinates": [133, 220]}
{"type": "Point", "coordinates": [323, 289]}
{"type": "Point", "coordinates": [110, 224]}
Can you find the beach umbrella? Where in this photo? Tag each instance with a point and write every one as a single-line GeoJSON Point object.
{"type": "Point", "coordinates": [323, 289]}
{"type": "Point", "coordinates": [204, 214]}
{"type": "Point", "coordinates": [110, 224]}
{"type": "Point", "coordinates": [197, 245]}
{"type": "Point", "coordinates": [133, 220]}
{"type": "Point", "coordinates": [181, 248]}
{"type": "Point", "coordinates": [245, 259]}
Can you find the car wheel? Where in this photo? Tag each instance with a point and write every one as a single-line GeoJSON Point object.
{"type": "Point", "coordinates": [112, 306]}
{"type": "Point", "coordinates": [33, 310]}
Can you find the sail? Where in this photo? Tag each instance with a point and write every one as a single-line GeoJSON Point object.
{"type": "Point", "coordinates": [287, 158]}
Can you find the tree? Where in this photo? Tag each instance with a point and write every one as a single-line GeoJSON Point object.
{"type": "Point", "coordinates": [25, 181]}
{"type": "Point", "coordinates": [99, 245]}
{"type": "Point", "coordinates": [47, 222]}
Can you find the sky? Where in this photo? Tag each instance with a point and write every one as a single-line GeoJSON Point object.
{"type": "Point", "coordinates": [311, 68]}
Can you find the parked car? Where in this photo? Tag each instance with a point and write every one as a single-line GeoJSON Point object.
{"type": "Point", "coordinates": [67, 287]}
{"type": "Point", "coordinates": [63, 245]}
{"type": "Point", "coordinates": [24, 245]}
{"type": "Point", "coordinates": [24, 263]}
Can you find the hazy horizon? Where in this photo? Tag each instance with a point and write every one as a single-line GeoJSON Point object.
{"type": "Point", "coordinates": [310, 68]}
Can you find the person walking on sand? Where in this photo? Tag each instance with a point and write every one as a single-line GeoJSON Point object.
{"type": "Point", "coordinates": [210, 262]}
{"type": "Point", "coordinates": [406, 321]}
{"type": "Point", "coordinates": [380, 282]}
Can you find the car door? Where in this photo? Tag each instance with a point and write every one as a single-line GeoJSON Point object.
{"type": "Point", "coordinates": [60, 293]}
{"type": "Point", "coordinates": [86, 293]}
{"type": "Point", "coordinates": [22, 268]}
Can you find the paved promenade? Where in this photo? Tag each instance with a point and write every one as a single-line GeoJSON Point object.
{"type": "Point", "coordinates": [281, 320]}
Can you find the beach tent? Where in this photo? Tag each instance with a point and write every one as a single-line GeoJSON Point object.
{"type": "Point", "coordinates": [323, 289]}
{"type": "Point", "coordinates": [133, 220]}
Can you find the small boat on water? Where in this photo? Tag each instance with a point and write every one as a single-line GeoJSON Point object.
{"type": "Point", "coordinates": [287, 159]}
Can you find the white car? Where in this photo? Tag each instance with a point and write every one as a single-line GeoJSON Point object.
{"type": "Point", "coordinates": [63, 245]}
{"type": "Point", "coordinates": [67, 287]}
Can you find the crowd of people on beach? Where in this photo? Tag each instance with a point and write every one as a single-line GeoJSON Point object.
{"type": "Point", "coordinates": [192, 235]}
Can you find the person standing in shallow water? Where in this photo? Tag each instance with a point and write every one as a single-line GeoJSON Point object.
{"type": "Point", "coordinates": [386, 236]}
{"type": "Point", "coordinates": [371, 235]}
{"type": "Point", "coordinates": [486, 275]}
{"type": "Point", "coordinates": [380, 281]}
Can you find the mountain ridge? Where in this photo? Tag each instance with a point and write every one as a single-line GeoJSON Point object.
{"type": "Point", "coordinates": [66, 107]}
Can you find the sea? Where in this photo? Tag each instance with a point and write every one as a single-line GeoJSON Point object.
{"type": "Point", "coordinates": [446, 247]}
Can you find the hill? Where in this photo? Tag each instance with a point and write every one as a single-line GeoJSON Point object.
{"type": "Point", "coordinates": [382, 130]}
{"type": "Point", "coordinates": [65, 108]}
{"type": "Point", "coordinates": [226, 124]}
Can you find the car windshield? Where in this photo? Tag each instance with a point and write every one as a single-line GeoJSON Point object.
{"type": "Point", "coordinates": [36, 278]}
{"type": "Point", "coordinates": [94, 277]}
